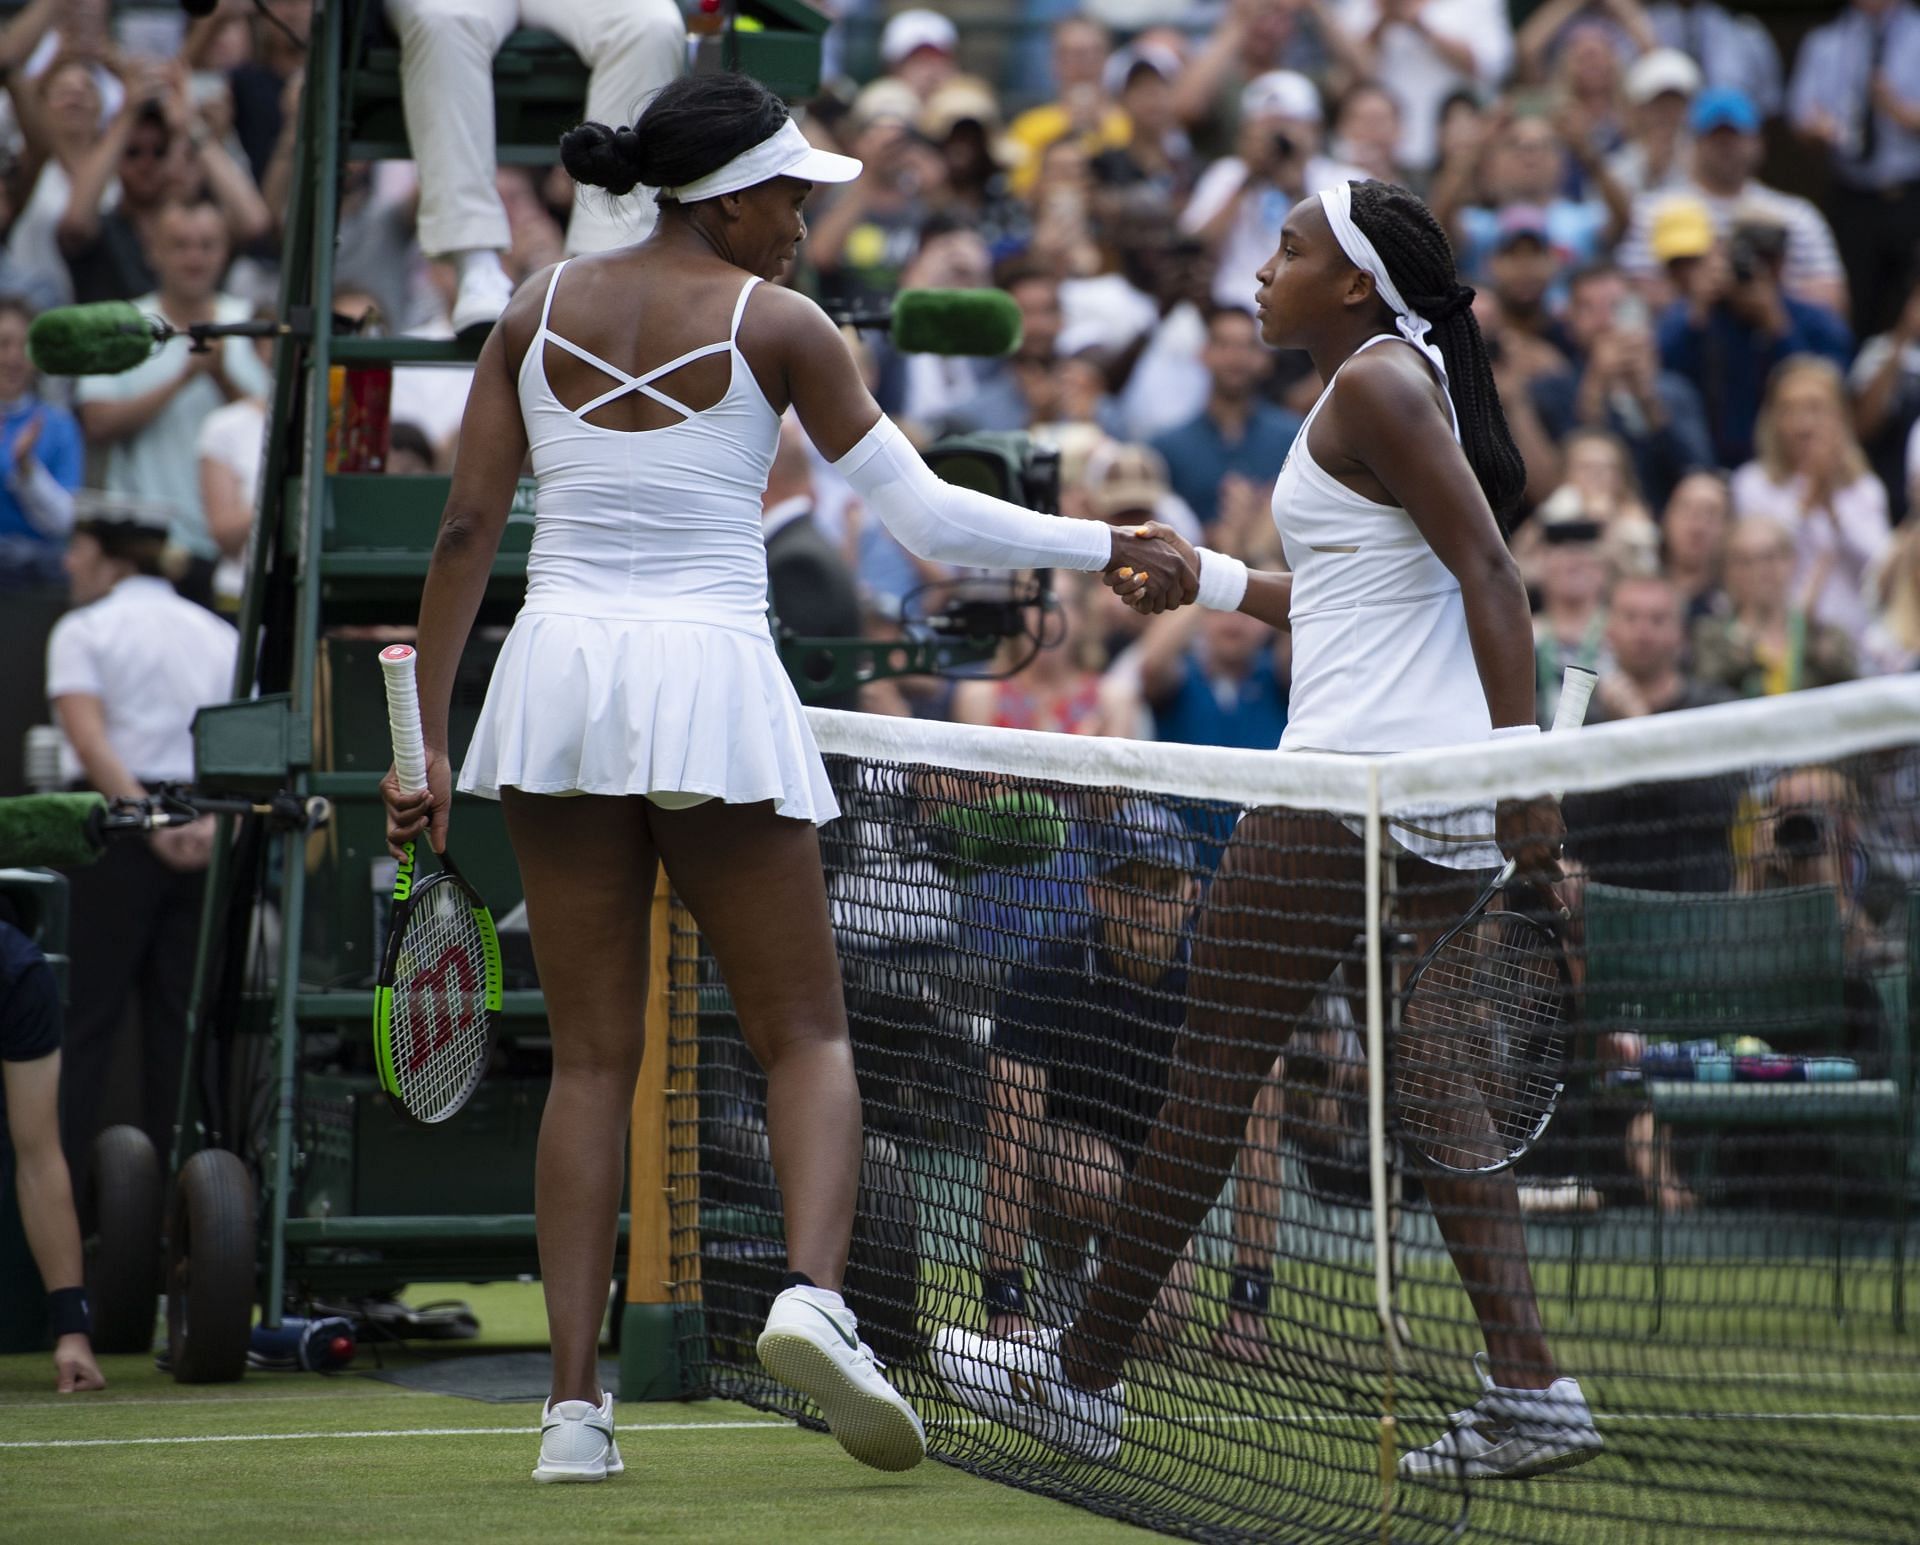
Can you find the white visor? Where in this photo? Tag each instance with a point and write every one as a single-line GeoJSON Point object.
{"type": "Point", "coordinates": [787, 153]}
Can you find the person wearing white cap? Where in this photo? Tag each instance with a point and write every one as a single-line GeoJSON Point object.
{"type": "Point", "coordinates": [1660, 86]}
{"type": "Point", "coordinates": [1410, 630]}
{"type": "Point", "coordinates": [1240, 201]}
{"type": "Point", "coordinates": [918, 47]}
{"type": "Point", "coordinates": [638, 715]}
{"type": "Point", "coordinates": [632, 47]}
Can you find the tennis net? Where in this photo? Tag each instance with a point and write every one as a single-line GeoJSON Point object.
{"type": "Point", "coordinates": [1042, 936]}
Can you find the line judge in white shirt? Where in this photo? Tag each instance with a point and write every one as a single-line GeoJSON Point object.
{"type": "Point", "coordinates": [126, 670]}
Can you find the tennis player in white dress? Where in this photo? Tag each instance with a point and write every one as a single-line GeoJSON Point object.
{"type": "Point", "coordinates": [1410, 630]}
{"type": "Point", "coordinates": [638, 713]}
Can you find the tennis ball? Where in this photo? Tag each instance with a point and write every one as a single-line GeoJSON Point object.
{"type": "Point", "coordinates": [748, 24]}
{"type": "Point", "coordinates": [1014, 829]}
{"type": "Point", "coordinates": [1750, 1046]}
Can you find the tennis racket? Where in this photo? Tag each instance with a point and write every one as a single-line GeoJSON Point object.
{"type": "Point", "coordinates": [1482, 1038]}
{"type": "Point", "coordinates": [439, 983]}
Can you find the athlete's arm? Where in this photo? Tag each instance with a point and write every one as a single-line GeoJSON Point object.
{"type": "Point", "coordinates": [932, 518]}
{"type": "Point", "coordinates": [1016, 1105]}
{"type": "Point", "coordinates": [1423, 470]}
{"type": "Point", "coordinates": [493, 445]}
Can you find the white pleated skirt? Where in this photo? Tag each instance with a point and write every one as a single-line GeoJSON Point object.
{"type": "Point", "coordinates": [588, 705]}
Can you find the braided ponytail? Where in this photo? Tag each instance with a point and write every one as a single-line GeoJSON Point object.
{"type": "Point", "coordinates": [1420, 259]}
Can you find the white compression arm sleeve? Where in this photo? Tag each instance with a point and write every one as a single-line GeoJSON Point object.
{"type": "Point", "coordinates": [937, 520]}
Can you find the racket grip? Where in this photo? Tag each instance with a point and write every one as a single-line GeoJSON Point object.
{"type": "Point", "coordinates": [403, 717]}
{"type": "Point", "coordinates": [1576, 691]}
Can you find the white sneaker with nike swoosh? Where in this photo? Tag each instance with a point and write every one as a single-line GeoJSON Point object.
{"type": "Point", "coordinates": [1018, 1380]}
{"type": "Point", "coordinates": [576, 1442]}
{"type": "Point", "coordinates": [1509, 1433]}
{"type": "Point", "coordinates": [812, 1344]}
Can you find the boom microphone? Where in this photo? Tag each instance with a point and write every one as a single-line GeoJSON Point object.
{"type": "Point", "coordinates": [55, 831]}
{"type": "Point", "coordinates": [975, 323]}
{"type": "Point", "coordinates": [100, 339]}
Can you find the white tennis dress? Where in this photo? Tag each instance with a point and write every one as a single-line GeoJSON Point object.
{"type": "Point", "coordinates": [641, 662]}
{"type": "Point", "coordinates": [1381, 656]}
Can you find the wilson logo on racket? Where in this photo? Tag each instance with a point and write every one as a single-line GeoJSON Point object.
{"type": "Point", "coordinates": [451, 978]}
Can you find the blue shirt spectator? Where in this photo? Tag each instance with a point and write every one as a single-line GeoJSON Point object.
{"type": "Point", "coordinates": [42, 459]}
{"type": "Point", "coordinates": [1731, 50]}
{"type": "Point", "coordinates": [1238, 430]}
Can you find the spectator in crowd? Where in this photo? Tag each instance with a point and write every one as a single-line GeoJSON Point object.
{"type": "Point", "coordinates": [1424, 51]}
{"type": "Point", "coordinates": [231, 446]}
{"type": "Point", "coordinates": [633, 48]}
{"type": "Point", "coordinates": [409, 451]}
{"type": "Point", "coordinates": [1647, 638]}
{"type": "Point", "coordinates": [1366, 132]}
{"type": "Point", "coordinates": [60, 124]}
{"type": "Point", "coordinates": [812, 591]}
{"type": "Point", "coordinates": [1241, 201]}
{"type": "Point", "coordinates": [1168, 384]}
{"type": "Point", "coordinates": [41, 459]}
{"type": "Point", "coordinates": [1856, 95]}
{"type": "Point", "coordinates": [1767, 643]}
{"type": "Point", "coordinates": [157, 150]}
{"type": "Point", "coordinates": [1658, 155]}
{"type": "Point", "coordinates": [1083, 110]}
{"type": "Point", "coordinates": [1521, 163]}
{"type": "Point", "coordinates": [866, 235]}
{"type": "Point", "coordinates": [42, 33]}
{"type": "Point", "coordinates": [1570, 626]}
{"type": "Point", "coordinates": [1811, 476]}
{"type": "Point", "coordinates": [961, 119]}
{"type": "Point", "coordinates": [919, 49]}
{"type": "Point", "coordinates": [1064, 240]}
{"type": "Point", "coordinates": [1213, 679]}
{"type": "Point", "coordinates": [1061, 690]}
{"type": "Point", "coordinates": [1599, 472]}
{"type": "Point", "coordinates": [1693, 533]}
{"type": "Point", "coordinates": [1238, 431]}
{"type": "Point", "coordinates": [1885, 386]}
{"type": "Point", "coordinates": [1733, 49]}
{"type": "Point", "coordinates": [1521, 269]}
{"type": "Point", "coordinates": [1615, 382]}
{"type": "Point", "coordinates": [1734, 321]}
{"type": "Point", "coordinates": [260, 83]}
{"type": "Point", "coordinates": [1726, 154]}
{"type": "Point", "coordinates": [1254, 38]}
{"type": "Point", "coordinates": [1157, 153]}
{"type": "Point", "coordinates": [1893, 637]}
{"type": "Point", "coordinates": [1592, 106]}
{"type": "Point", "coordinates": [1126, 485]}
{"type": "Point", "coordinates": [126, 671]}
{"type": "Point", "coordinates": [30, 1126]}
{"type": "Point", "coordinates": [1548, 34]}
{"type": "Point", "coordinates": [150, 417]}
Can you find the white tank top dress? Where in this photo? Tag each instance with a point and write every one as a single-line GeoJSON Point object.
{"type": "Point", "coordinates": [641, 662]}
{"type": "Point", "coordinates": [1381, 657]}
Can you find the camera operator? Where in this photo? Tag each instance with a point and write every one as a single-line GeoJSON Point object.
{"type": "Point", "coordinates": [1241, 201]}
{"type": "Point", "coordinates": [1734, 323]}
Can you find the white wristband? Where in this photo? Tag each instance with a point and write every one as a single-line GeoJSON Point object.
{"type": "Point", "coordinates": [1223, 581]}
{"type": "Point", "coordinates": [1513, 731]}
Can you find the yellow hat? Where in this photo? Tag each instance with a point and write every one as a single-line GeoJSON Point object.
{"type": "Point", "coordinates": [1682, 228]}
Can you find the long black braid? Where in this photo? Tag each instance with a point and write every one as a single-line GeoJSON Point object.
{"type": "Point", "coordinates": [1420, 260]}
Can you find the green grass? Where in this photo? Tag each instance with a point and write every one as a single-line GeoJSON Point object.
{"type": "Point", "coordinates": [685, 1480]}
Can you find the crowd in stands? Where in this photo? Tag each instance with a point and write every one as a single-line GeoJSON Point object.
{"type": "Point", "coordinates": [1715, 380]}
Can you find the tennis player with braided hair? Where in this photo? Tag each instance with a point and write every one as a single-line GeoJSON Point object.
{"type": "Point", "coordinates": [1410, 630]}
{"type": "Point", "coordinates": [638, 714]}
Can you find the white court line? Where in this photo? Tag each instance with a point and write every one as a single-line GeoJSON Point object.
{"type": "Point", "coordinates": [784, 1426]}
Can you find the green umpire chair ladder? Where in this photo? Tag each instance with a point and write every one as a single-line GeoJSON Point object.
{"type": "Point", "coordinates": [351, 1197]}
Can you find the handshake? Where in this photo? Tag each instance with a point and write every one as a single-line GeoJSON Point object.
{"type": "Point", "coordinates": [1153, 568]}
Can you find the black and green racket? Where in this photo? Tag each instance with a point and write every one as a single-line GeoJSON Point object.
{"type": "Point", "coordinates": [439, 983]}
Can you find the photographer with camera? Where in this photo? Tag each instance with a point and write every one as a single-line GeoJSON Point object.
{"type": "Point", "coordinates": [1241, 201]}
{"type": "Point", "coordinates": [1735, 320]}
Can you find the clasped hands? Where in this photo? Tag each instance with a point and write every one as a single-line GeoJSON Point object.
{"type": "Point", "coordinates": [1153, 568]}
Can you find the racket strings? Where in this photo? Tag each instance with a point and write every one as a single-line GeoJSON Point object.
{"type": "Point", "coordinates": [440, 1015]}
{"type": "Point", "coordinates": [1481, 1042]}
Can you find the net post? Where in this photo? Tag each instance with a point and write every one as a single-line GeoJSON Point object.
{"type": "Point", "coordinates": [650, 1363]}
{"type": "Point", "coordinates": [1377, 1142]}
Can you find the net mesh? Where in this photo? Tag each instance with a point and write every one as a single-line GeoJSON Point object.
{"type": "Point", "coordinates": [439, 1015]}
{"type": "Point", "coordinates": [1105, 997]}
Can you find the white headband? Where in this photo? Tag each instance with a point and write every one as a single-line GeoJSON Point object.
{"type": "Point", "coordinates": [785, 153]}
{"type": "Point", "coordinates": [1337, 201]}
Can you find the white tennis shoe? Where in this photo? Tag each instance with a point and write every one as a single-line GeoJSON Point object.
{"type": "Point", "coordinates": [1509, 1433]}
{"type": "Point", "coordinates": [1018, 1380]}
{"type": "Point", "coordinates": [576, 1442]}
{"type": "Point", "coordinates": [812, 1344]}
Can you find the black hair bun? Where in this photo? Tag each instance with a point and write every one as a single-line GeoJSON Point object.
{"type": "Point", "coordinates": [598, 157]}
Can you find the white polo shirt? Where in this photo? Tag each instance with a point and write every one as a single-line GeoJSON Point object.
{"type": "Point", "coordinates": [152, 659]}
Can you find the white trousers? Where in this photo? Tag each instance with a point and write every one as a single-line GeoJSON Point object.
{"type": "Point", "coordinates": [632, 47]}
